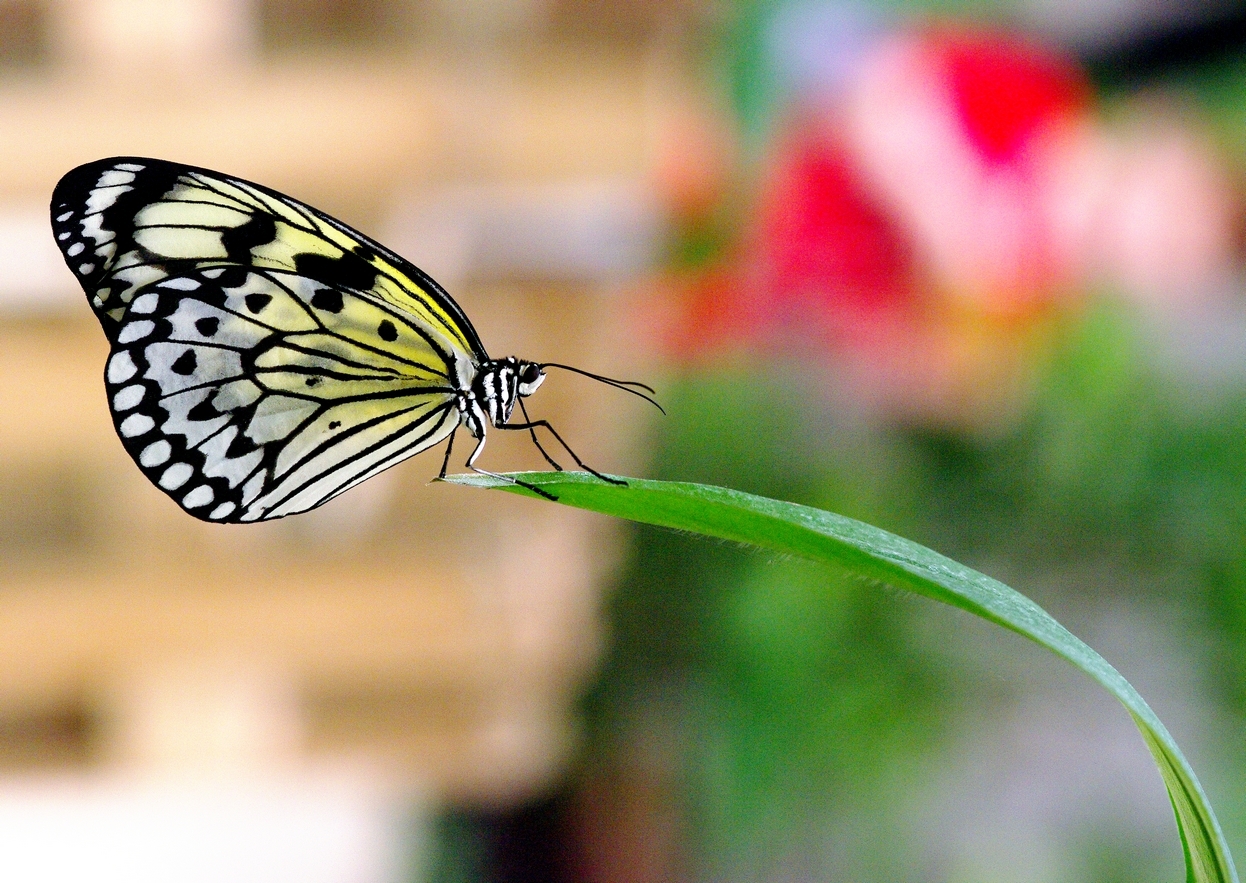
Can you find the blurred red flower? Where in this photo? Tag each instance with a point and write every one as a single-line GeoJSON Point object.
{"type": "Point", "coordinates": [1006, 90]}
{"type": "Point", "coordinates": [920, 227]}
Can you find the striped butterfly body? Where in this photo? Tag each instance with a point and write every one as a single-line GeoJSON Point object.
{"type": "Point", "coordinates": [264, 356]}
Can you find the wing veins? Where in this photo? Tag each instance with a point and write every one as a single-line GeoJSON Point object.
{"type": "Point", "coordinates": [328, 444]}
{"type": "Point", "coordinates": [305, 371]}
{"type": "Point", "coordinates": [416, 447]}
{"type": "Point", "coordinates": [207, 228]}
{"type": "Point", "coordinates": [345, 361]}
{"type": "Point", "coordinates": [210, 344]}
{"type": "Point", "coordinates": [379, 396]}
{"type": "Point", "coordinates": [349, 461]}
{"type": "Point", "coordinates": [408, 319]}
{"type": "Point", "coordinates": [234, 201]}
{"type": "Point", "coordinates": [267, 200]}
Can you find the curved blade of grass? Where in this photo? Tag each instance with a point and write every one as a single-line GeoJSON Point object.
{"type": "Point", "coordinates": [875, 553]}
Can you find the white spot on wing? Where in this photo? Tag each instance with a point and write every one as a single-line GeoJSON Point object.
{"type": "Point", "coordinates": [136, 424]}
{"type": "Point", "coordinates": [121, 367]}
{"type": "Point", "coordinates": [176, 476]}
{"type": "Point", "coordinates": [200, 496]}
{"type": "Point", "coordinates": [155, 453]}
{"type": "Point", "coordinates": [103, 197]}
{"type": "Point", "coordinates": [136, 331]}
{"type": "Point", "coordinates": [130, 167]}
{"type": "Point", "coordinates": [76, 249]}
{"type": "Point", "coordinates": [114, 177]}
{"type": "Point", "coordinates": [129, 397]}
{"type": "Point", "coordinates": [62, 218]}
{"type": "Point", "coordinates": [222, 510]}
{"type": "Point", "coordinates": [145, 303]}
{"type": "Point", "coordinates": [181, 283]}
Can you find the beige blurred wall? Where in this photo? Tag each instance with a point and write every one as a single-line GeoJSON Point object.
{"type": "Point", "coordinates": [438, 632]}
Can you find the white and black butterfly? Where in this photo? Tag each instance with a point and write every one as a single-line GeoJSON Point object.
{"type": "Point", "coordinates": [266, 357]}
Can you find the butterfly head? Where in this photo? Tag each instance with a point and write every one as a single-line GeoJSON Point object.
{"type": "Point", "coordinates": [529, 376]}
{"type": "Point", "coordinates": [500, 384]}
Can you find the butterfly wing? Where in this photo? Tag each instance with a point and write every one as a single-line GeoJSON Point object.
{"type": "Point", "coordinates": [265, 357]}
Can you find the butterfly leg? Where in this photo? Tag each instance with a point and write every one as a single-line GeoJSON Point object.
{"type": "Point", "coordinates": [533, 424]}
{"type": "Point", "coordinates": [445, 464]}
{"type": "Point", "coordinates": [536, 441]}
{"type": "Point", "coordinates": [471, 464]}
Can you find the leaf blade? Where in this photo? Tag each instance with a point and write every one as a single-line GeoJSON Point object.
{"type": "Point", "coordinates": [870, 551]}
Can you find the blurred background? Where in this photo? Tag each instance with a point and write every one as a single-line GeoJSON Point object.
{"type": "Point", "coordinates": [972, 271]}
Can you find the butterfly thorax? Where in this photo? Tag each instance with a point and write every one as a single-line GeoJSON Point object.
{"type": "Point", "coordinates": [497, 386]}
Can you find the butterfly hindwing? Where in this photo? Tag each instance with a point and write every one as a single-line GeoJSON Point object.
{"type": "Point", "coordinates": [265, 358]}
{"type": "Point", "coordinates": [243, 403]}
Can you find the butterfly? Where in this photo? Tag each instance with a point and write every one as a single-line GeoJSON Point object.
{"type": "Point", "coordinates": [266, 357]}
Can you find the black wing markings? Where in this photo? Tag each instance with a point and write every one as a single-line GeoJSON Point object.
{"type": "Point", "coordinates": [152, 180]}
{"type": "Point", "coordinates": [443, 410]}
{"type": "Point", "coordinates": [195, 440]}
{"type": "Point", "coordinates": [220, 464]}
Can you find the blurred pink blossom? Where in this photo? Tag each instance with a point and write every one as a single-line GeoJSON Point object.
{"type": "Point", "coordinates": [963, 187]}
{"type": "Point", "coordinates": [955, 131]}
{"type": "Point", "coordinates": [1166, 230]}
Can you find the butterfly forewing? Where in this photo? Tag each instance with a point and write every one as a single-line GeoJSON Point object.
{"type": "Point", "coordinates": [130, 213]}
{"type": "Point", "coordinates": [265, 358]}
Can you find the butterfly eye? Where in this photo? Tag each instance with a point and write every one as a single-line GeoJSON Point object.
{"type": "Point", "coordinates": [530, 374]}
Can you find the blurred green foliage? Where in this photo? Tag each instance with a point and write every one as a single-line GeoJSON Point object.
{"type": "Point", "coordinates": [798, 713]}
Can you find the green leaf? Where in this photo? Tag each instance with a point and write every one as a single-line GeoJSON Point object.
{"type": "Point", "coordinates": [876, 554]}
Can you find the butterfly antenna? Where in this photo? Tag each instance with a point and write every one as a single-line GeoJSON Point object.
{"type": "Point", "coordinates": [625, 385]}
